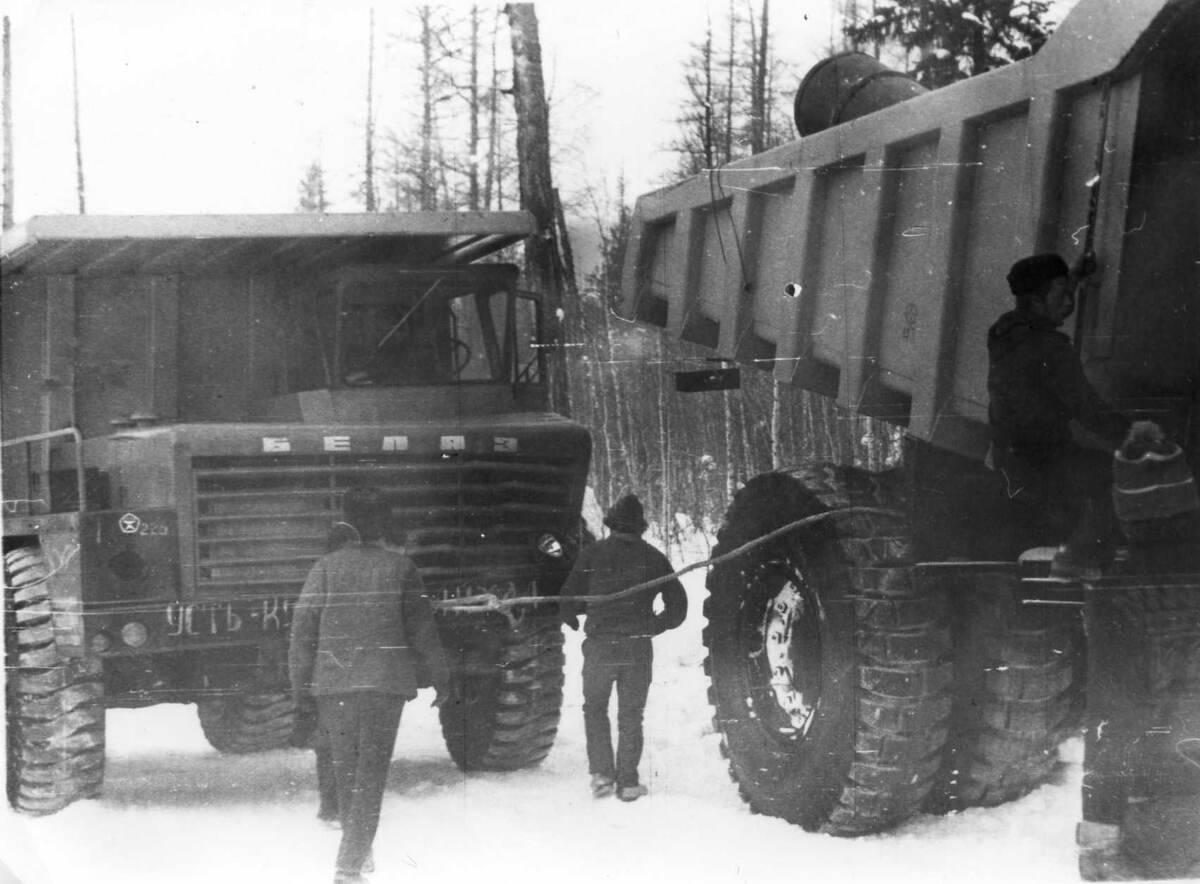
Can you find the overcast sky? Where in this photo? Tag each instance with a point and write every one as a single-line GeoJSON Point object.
{"type": "Point", "coordinates": [219, 106]}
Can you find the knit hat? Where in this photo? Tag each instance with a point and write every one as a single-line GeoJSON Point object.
{"type": "Point", "coordinates": [1029, 274]}
{"type": "Point", "coordinates": [367, 511]}
{"type": "Point", "coordinates": [626, 515]}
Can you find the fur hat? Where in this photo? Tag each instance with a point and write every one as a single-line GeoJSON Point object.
{"type": "Point", "coordinates": [1030, 274]}
{"type": "Point", "coordinates": [626, 515]}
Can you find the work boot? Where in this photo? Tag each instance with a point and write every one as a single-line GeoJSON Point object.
{"type": "Point", "coordinates": [602, 786]}
{"type": "Point", "coordinates": [632, 793]}
{"type": "Point", "coordinates": [1100, 857]}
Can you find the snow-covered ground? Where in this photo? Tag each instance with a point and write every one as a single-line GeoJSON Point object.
{"type": "Point", "coordinates": [175, 811]}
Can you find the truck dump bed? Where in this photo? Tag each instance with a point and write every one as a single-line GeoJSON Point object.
{"type": "Point", "coordinates": [866, 261]}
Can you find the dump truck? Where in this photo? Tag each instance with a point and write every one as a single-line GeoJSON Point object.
{"type": "Point", "coordinates": [185, 398]}
{"type": "Point", "coordinates": [911, 651]}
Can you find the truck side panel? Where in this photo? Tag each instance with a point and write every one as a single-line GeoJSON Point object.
{"type": "Point", "coordinates": [867, 261]}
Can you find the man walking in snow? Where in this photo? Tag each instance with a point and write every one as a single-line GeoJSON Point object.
{"type": "Point", "coordinates": [360, 629]}
{"type": "Point", "coordinates": [617, 651]}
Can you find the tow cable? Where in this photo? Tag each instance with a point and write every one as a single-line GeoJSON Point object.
{"type": "Point", "coordinates": [489, 602]}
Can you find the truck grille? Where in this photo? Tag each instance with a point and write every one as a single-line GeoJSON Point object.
{"type": "Point", "coordinates": [262, 522]}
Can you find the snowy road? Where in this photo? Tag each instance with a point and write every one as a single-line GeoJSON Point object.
{"type": "Point", "coordinates": [175, 811]}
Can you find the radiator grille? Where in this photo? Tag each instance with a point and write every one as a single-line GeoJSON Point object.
{"type": "Point", "coordinates": [262, 522]}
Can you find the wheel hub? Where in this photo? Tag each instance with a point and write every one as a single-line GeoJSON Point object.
{"type": "Point", "coordinates": [786, 643]}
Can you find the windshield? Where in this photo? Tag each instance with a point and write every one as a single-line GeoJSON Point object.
{"type": "Point", "coordinates": [427, 328]}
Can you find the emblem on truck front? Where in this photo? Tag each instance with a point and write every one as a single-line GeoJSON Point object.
{"type": "Point", "coordinates": [129, 523]}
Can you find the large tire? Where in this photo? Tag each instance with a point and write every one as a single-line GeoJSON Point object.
{"type": "Point", "coordinates": [510, 698]}
{"type": "Point", "coordinates": [1014, 695]}
{"type": "Point", "coordinates": [54, 703]}
{"type": "Point", "coordinates": [248, 722]}
{"type": "Point", "coordinates": [828, 664]}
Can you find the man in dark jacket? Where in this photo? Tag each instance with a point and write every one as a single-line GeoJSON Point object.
{"type": "Point", "coordinates": [360, 629]}
{"type": "Point", "coordinates": [1036, 388]}
{"type": "Point", "coordinates": [617, 651]}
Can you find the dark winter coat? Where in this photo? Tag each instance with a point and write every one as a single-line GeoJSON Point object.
{"type": "Point", "coordinates": [1036, 387]}
{"type": "Point", "coordinates": [616, 563]}
{"type": "Point", "coordinates": [362, 623]}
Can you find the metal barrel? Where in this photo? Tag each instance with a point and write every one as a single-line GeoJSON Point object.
{"type": "Point", "coordinates": [846, 86]}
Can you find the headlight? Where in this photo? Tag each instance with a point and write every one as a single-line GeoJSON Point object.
{"type": "Point", "coordinates": [134, 634]}
{"type": "Point", "coordinates": [101, 642]}
{"type": "Point", "coordinates": [549, 545]}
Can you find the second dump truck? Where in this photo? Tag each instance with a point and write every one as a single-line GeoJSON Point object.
{"type": "Point", "coordinates": [916, 656]}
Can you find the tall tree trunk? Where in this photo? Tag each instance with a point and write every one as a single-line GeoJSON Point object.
{"type": "Point", "coordinates": [730, 65]}
{"type": "Point", "coordinates": [428, 182]}
{"type": "Point", "coordinates": [537, 189]}
{"type": "Point", "coordinates": [566, 256]}
{"type": "Point", "coordinates": [710, 134]}
{"type": "Point", "coordinates": [473, 137]}
{"type": "Point", "coordinates": [664, 446]}
{"type": "Point", "coordinates": [730, 462]}
{"type": "Point", "coordinates": [745, 429]}
{"type": "Point", "coordinates": [777, 458]}
{"type": "Point", "coordinates": [369, 177]}
{"type": "Point", "coordinates": [397, 174]}
{"type": "Point", "coordinates": [492, 171]}
{"type": "Point", "coordinates": [79, 185]}
{"type": "Point", "coordinates": [758, 93]}
{"type": "Point", "coordinates": [9, 181]}
{"type": "Point", "coordinates": [624, 448]}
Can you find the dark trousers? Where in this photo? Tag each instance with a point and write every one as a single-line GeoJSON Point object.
{"type": "Point", "coordinates": [625, 664]}
{"type": "Point", "coordinates": [327, 809]}
{"type": "Point", "coordinates": [360, 728]}
{"type": "Point", "coordinates": [1069, 493]}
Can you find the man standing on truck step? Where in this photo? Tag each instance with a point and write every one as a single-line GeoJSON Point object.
{"type": "Point", "coordinates": [360, 630]}
{"type": "Point", "coordinates": [617, 651]}
{"type": "Point", "coordinates": [1036, 388]}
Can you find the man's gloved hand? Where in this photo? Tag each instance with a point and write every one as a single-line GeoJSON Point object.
{"type": "Point", "coordinates": [1085, 265]}
{"type": "Point", "coordinates": [446, 695]}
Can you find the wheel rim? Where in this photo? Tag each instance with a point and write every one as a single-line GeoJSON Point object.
{"type": "Point", "coordinates": [785, 656]}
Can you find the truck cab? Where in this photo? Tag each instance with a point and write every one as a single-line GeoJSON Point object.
{"type": "Point", "coordinates": [185, 399]}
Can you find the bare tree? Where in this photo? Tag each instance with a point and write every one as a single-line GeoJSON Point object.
{"type": "Point", "coordinates": [957, 38]}
{"type": "Point", "coordinates": [493, 155]}
{"type": "Point", "coordinates": [312, 189]}
{"type": "Point", "coordinates": [79, 184]}
{"type": "Point", "coordinates": [543, 261]}
{"type": "Point", "coordinates": [473, 109]}
{"type": "Point", "coordinates": [9, 181]}
{"type": "Point", "coordinates": [760, 64]}
{"type": "Point", "coordinates": [697, 142]}
{"type": "Point", "coordinates": [369, 172]}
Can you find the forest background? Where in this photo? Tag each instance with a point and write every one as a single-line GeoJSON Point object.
{"type": "Point", "coordinates": [443, 136]}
